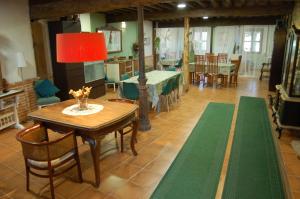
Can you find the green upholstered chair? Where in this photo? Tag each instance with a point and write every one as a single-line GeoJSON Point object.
{"type": "Point", "coordinates": [130, 91]}
{"type": "Point", "coordinates": [166, 94]}
{"type": "Point", "coordinates": [124, 76]}
{"type": "Point", "coordinates": [179, 64]}
{"type": "Point", "coordinates": [171, 68]}
{"type": "Point", "coordinates": [44, 101]}
{"type": "Point", "coordinates": [175, 87]}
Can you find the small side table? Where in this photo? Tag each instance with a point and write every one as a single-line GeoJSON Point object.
{"type": "Point", "coordinates": [8, 100]}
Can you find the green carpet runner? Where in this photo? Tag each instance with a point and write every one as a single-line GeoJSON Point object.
{"type": "Point", "coordinates": [196, 170]}
{"type": "Point", "coordinates": [253, 171]}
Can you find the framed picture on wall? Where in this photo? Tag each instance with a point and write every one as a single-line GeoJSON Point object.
{"type": "Point", "coordinates": [113, 38]}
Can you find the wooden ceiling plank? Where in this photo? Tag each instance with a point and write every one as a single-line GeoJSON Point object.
{"type": "Point", "coordinates": [69, 7]}
{"type": "Point", "coordinates": [201, 3]}
{"type": "Point", "coordinates": [257, 11]}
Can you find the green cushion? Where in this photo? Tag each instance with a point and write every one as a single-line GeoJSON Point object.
{"type": "Point", "coordinates": [47, 100]}
{"type": "Point", "coordinates": [46, 88]}
{"type": "Point", "coordinates": [124, 76]}
{"type": "Point", "coordinates": [130, 91]}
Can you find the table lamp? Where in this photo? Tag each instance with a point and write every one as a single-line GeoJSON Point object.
{"type": "Point", "coordinates": [80, 47]}
{"type": "Point", "coordinates": [21, 63]}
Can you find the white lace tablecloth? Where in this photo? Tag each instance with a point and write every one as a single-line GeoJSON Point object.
{"type": "Point", "coordinates": [74, 110]}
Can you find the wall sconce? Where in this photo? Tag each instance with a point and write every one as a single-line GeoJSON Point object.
{"type": "Point", "coordinates": [21, 63]}
{"type": "Point", "coordinates": [123, 24]}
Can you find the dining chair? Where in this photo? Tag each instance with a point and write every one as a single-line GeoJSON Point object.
{"type": "Point", "coordinates": [199, 68]}
{"type": "Point", "coordinates": [175, 88]}
{"type": "Point", "coordinates": [222, 57]}
{"type": "Point", "coordinates": [130, 91]}
{"type": "Point", "coordinates": [53, 156]}
{"type": "Point", "coordinates": [234, 74]}
{"type": "Point", "coordinates": [212, 69]}
{"type": "Point", "coordinates": [167, 93]}
{"type": "Point", "coordinates": [128, 127]}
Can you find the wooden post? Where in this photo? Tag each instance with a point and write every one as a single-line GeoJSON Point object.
{"type": "Point", "coordinates": [144, 123]}
{"type": "Point", "coordinates": [186, 53]}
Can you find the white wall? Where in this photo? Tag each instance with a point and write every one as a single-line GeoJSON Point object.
{"type": "Point", "coordinates": [15, 36]}
{"type": "Point", "coordinates": [85, 22]}
{"type": "Point", "coordinates": [148, 33]}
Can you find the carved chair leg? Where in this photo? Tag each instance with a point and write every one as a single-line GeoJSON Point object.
{"type": "Point", "coordinates": [122, 140]}
{"type": "Point", "coordinates": [51, 183]}
{"type": "Point", "coordinates": [27, 176]}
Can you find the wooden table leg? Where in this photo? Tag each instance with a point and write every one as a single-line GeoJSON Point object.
{"type": "Point", "coordinates": [95, 150]}
{"type": "Point", "coordinates": [133, 137]}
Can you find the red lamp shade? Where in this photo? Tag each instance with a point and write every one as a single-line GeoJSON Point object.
{"type": "Point", "coordinates": [80, 47]}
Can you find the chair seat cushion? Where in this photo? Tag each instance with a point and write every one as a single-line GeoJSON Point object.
{"type": "Point", "coordinates": [47, 100]}
{"type": "Point", "coordinates": [44, 164]}
{"type": "Point", "coordinates": [46, 88]}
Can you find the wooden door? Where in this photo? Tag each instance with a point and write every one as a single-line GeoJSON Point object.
{"type": "Point", "coordinates": [39, 50]}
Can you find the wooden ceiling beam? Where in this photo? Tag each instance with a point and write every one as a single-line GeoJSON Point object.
{"type": "Point", "coordinates": [257, 11]}
{"type": "Point", "coordinates": [201, 3]}
{"type": "Point", "coordinates": [220, 22]}
{"type": "Point", "coordinates": [60, 8]}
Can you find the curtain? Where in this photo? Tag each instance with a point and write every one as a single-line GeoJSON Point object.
{"type": "Point", "coordinates": [254, 43]}
{"type": "Point", "coordinates": [171, 42]}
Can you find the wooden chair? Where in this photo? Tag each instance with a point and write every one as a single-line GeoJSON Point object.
{"type": "Point", "coordinates": [199, 67]}
{"type": "Point", "coordinates": [55, 156]}
{"type": "Point", "coordinates": [234, 74]}
{"type": "Point", "coordinates": [127, 128]}
{"type": "Point", "coordinates": [167, 93]}
{"type": "Point", "coordinates": [222, 57]}
{"type": "Point", "coordinates": [265, 68]}
{"type": "Point", "coordinates": [212, 69]}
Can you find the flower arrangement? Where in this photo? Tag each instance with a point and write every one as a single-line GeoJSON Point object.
{"type": "Point", "coordinates": [81, 96]}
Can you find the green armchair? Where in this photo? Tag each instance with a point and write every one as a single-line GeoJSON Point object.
{"type": "Point", "coordinates": [45, 93]}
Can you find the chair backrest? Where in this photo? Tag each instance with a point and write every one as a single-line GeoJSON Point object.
{"type": "Point", "coordinates": [179, 63]}
{"type": "Point", "coordinates": [121, 100]}
{"type": "Point", "coordinates": [130, 91]}
{"type": "Point", "coordinates": [200, 63]}
{"type": "Point", "coordinates": [212, 64]}
{"type": "Point", "coordinates": [222, 57]}
{"type": "Point", "coordinates": [176, 82]}
{"type": "Point", "coordinates": [237, 64]}
{"type": "Point", "coordinates": [167, 89]}
{"type": "Point", "coordinates": [124, 76]}
{"type": "Point", "coordinates": [36, 146]}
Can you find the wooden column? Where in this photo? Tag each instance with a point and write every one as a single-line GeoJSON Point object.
{"type": "Point", "coordinates": [144, 123]}
{"type": "Point", "coordinates": [186, 53]}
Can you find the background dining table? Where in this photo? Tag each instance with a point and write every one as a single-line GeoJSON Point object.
{"type": "Point", "coordinates": [156, 80]}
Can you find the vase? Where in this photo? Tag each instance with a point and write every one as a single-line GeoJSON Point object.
{"type": "Point", "coordinates": [82, 103]}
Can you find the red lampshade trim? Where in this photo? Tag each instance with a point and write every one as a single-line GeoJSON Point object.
{"type": "Point", "coordinates": [80, 47]}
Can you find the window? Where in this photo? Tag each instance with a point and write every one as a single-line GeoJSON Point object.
{"type": "Point", "coordinates": [200, 42]}
{"type": "Point", "coordinates": [252, 41]}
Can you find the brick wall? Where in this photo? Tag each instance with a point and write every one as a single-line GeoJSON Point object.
{"type": "Point", "coordinates": [27, 99]}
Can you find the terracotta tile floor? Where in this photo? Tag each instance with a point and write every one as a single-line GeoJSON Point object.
{"type": "Point", "coordinates": [126, 176]}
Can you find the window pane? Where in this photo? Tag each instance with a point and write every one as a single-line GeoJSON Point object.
{"type": "Point", "coordinates": [204, 36]}
{"type": "Point", "coordinates": [247, 46]}
{"type": "Point", "coordinates": [257, 36]}
{"type": "Point", "coordinates": [247, 36]}
{"type": "Point", "coordinates": [203, 46]}
{"type": "Point", "coordinates": [256, 47]}
{"type": "Point", "coordinates": [197, 36]}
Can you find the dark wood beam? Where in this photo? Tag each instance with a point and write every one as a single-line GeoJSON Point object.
{"type": "Point", "coordinates": [201, 3]}
{"type": "Point", "coordinates": [214, 3]}
{"type": "Point", "coordinates": [257, 11]}
{"type": "Point", "coordinates": [53, 9]}
{"type": "Point", "coordinates": [144, 122]}
{"type": "Point", "coordinates": [221, 22]}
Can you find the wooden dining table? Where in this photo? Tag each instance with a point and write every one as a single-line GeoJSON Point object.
{"type": "Point", "coordinates": [92, 128]}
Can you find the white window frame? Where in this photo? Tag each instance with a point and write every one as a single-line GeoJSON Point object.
{"type": "Point", "coordinates": [252, 41]}
{"type": "Point", "coordinates": [201, 41]}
